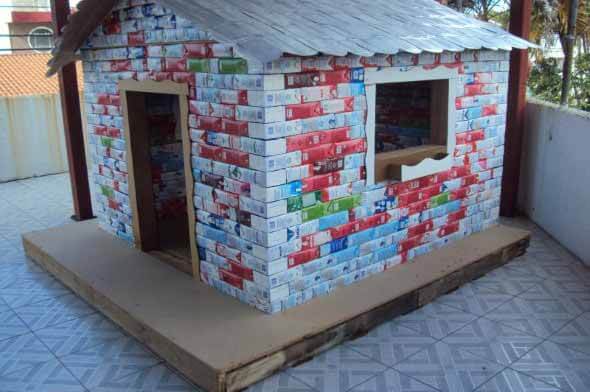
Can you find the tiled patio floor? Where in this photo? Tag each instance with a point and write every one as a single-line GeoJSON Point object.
{"type": "Point", "coordinates": [524, 327]}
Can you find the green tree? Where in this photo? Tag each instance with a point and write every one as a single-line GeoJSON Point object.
{"type": "Point", "coordinates": [486, 10]}
{"type": "Point", "coordinates": [549, 22]}
{"type": "Point", "coordinates": [581, 83]}
{"type": "Point", "coordinates": [545, 80]}
{"type": "Point", "coordinates": [550, 18]}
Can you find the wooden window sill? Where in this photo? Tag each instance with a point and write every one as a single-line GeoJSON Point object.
{"type": "Point", "coordinates": [389, 165]}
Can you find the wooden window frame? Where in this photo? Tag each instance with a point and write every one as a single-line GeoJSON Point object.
{"type": "Point", "coordinates": [415, 162]}
{"type": "Point", "coordinates": [142, 223]}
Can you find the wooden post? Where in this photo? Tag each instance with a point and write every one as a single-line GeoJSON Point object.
{"type": "Point", "coordinates": [70, 103]}
{"type": "Point", "coordinates": [520, 22]}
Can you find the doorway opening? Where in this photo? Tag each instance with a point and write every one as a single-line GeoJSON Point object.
{"type": "Point", "coordinates": [158, 177]}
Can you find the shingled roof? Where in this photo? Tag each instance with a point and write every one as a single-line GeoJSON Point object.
{"type": "Point", "coordinates": [265, 29]}
{"type": "Point", "coordinates": [24, 75]}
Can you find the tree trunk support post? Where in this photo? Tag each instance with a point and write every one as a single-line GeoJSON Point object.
{"type": "Point", "coordinates": [520, 22]}
{"type": "Point", "coordinates": [570, 47]}
{"type": "Point", "coordinates": [74, 134]}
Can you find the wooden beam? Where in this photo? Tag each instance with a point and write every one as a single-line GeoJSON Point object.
{"type": "Point", "coordinates": [520, 22]}
{"type": "Point", "coordinates": [74, 134]}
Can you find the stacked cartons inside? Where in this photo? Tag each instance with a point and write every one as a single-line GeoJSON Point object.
{"type": "Point", "coordinates": [167, 161]}
{"type": "Point", "coordinates": [403, 112]}
{"type": "Point", "coordinates": [283, 210]}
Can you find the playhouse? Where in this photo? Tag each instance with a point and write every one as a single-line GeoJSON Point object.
{"type": "Point", "coordinates": [273, 178]}
{"type": "Point", "coordinates": [281, 150]}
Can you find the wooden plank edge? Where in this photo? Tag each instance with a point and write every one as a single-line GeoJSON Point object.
{"type": "Point", "coordinates": [193, 368]}
{"type": "Point", "coordinates": [310, 346]}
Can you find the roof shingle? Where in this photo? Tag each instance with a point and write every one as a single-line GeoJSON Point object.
{"type": "Point", "coordinates": [24, 74]}
{"type": "Point", "coordinates": [264, 30]}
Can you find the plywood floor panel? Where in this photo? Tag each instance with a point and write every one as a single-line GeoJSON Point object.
{"type": "Point", "coordinates": [221, 343]}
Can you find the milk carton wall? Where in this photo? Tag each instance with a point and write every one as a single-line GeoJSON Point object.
{"type": "Point", "coordinates": [283, 210]}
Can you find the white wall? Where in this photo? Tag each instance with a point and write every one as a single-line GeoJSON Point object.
{"type": "Point", "coordinates": [5, 18]}
{"type": "Point", "coordinates": [555, 178]}
{"type": "Point", "coordinates": [31, 137]}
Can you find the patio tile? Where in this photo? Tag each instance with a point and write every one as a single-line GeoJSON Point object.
{"type": "Point", "coordinates": [575, 335]}
{"type": "Point", "coordinates": [157, 378]}
{"type": "Point", "coordinates": [11, 188]}
{"type": "Point", "coordinates": [512, 381]}
{"type": "Point", "coordinates": [15, 283]}
{"type": "Point", "coordinates": [7, 251]}
{"type": "Point", "coordinates": [391, 343]}
{"type": "Point", "coordinates": [22, 352]}
{"type": "Point", "coordinates": [473, 299]}
{"type": "Point", "coordinates": [392, 381]}
{"type": "Point", "coordinates": [281, 382]}
{"type": "Point", "coordinates": [540, 317]}
{"type": "Point", "coordinates": [12, 229]}
{"type": "Point", "coordinates": [53, 311]}
{"type": "Point", "coordinates": [565, 255]}
{"type": "Point", "coordinates": [560, 271]}
{"type": "Point", "coordinates": [18, 244]}
{"type": "Point", "coordinates": [518, 272]}
{"type": "Point", "coordinates": [12, 213]}
{"type": "Point", "coordinates": [24, 299]}
{"type": "Point", "coordinates": [449, 369]}
{"type": "Point", "coordinates": [539, 255]}
{"type": "Point", "coordinates": [573, 294]}
{"type": "Point", "coordinates": [557, 365]}
{"type": "Point", "coordinates": [14, 255]}
{"type": "Point", "coordinates": [23, 266]}
{"type": "Point", "coordinates": [80, 335]}
{"type": "Point", "coordinates": [532, 272]}
{"type": "Point", "coordinates": [492, 341]}
{"type": "Point", "coordinates": [336, 370]}
{"type": "Point", "coordinates": [50, 376]}
{"type": "Point", "coordinates": [505, 281]}
{"type": "Point", "coordinates": [11, 325]}
{"type": "Point", "coordinates": [30, 201]}
{"type": "Point", "coordinates": [572, 287]}
{"type": "Point", "coordinates": [550, 285]}
{"type": "Point", "coordinates": [109, 362]}
{"type": "Point", "coordinates": [3, 306]}
{"type": "Point", "coordinates": [436, 320]}
{"type": "Point", "coordinates": [16, 239]}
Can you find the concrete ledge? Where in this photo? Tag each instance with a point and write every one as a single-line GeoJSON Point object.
{"type": "Point", "coordinates": [224, 345]}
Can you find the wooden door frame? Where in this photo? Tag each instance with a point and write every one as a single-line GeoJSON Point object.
{"type": "Point", "coordinates": [182, 91]}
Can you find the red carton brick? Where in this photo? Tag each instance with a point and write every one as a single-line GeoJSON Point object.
{"type": "Point", "coordinates": [234, 127]}
{"type": "Point", "coordinates": [175, 64]}
{"type": "Point", "coordinates": [240, 270]}
{"type": "Point", "coordinates": [307, 140]}
{"type": "Point", "coordinates": [136, 38]}
{"type": "Point", "coordinates": [231, 279]}
{"type": "Point", "coordinates": [303, 110]}
{"type": "Point", "coordinates": [303, 257]}
{"type": "Point", "coordinates": [319, 153]}
{"type": "Point", "coordinates": [197, 50]}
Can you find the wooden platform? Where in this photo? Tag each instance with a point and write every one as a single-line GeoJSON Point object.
{"type": "Point", "coordinates": [224, 345]}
